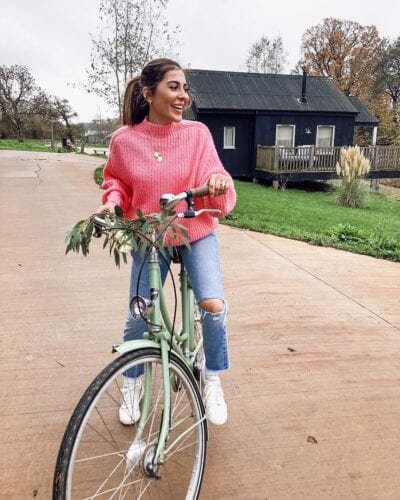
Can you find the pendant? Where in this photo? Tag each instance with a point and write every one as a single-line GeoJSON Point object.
{"type": "Point", "coordinates": [158, 156]}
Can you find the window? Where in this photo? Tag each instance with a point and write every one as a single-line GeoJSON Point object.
{"type": "Point", "coordinates": [325, 136]}
{"type": "Point", "coordinates": [229, 137]}
{"type": "Point", "coordinates": [285, 135]}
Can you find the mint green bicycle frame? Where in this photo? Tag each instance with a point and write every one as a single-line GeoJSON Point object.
{"type": "Point", "coordinates": [160, 336]}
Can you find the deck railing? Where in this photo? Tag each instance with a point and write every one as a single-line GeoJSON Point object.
{"type": "Point", "coordinates": [301, 159]}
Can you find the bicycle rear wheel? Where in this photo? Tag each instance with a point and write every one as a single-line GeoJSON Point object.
{"type": "Point", "coordinates": [101, 458]}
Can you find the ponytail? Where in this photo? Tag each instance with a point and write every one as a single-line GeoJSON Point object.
{"type": "Point", "coordinates": [135, 107]}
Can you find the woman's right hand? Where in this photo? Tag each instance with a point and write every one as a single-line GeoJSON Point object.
{"type": "Point", "coordinates": [107, 207]}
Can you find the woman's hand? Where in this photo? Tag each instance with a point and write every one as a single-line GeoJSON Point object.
{"type": "Point", "coordinates": [107, 207]}
{"type": "Point", "coordinates": [219, 184]}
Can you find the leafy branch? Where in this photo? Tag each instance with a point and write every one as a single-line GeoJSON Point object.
{"type": "Point", "coordinates": [122, 236]}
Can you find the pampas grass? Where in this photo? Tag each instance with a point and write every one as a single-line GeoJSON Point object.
{"type": "Point", "coordinates": [352, 169]}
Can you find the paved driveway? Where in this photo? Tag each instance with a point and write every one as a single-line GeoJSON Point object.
{"type": "Point", "coordinates": [314, 390]}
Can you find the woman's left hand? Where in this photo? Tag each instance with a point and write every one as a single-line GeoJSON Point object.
{"type": "Point", "coordinates": [219, 184]}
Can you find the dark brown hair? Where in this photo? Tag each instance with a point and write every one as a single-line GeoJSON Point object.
{"type": "Point", "coordinates": [135, 107]}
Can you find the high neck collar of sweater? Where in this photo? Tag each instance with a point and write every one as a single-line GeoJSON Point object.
{"type": "Point", "coordinates": [158, 131]}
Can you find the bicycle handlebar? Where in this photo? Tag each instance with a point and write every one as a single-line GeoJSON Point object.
{"type": "Point", "coordinates": [167, 203]}
{"type": "Point", "coordinates": [201, 191]}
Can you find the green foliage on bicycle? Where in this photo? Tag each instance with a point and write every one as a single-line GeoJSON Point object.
{"type": "Point", "coordinates": [122, 236]}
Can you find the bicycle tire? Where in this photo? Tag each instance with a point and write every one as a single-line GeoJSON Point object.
{"type": "Point", "coordinates": [93, 458]}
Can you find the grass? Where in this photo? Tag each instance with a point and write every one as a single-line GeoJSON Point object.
{"type": "Point", "coordinates": [98, 175]}
{"type": "Point", "coordinates": [313, 216]}
{"type": "Point", "coordinates": [41, 146]}
{"type": "Point", "coordinates": [96, 145]}
{"type": "Point", "coordinates": [27, 145]}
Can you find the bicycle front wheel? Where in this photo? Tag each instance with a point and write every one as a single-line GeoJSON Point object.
{"type": "Point", "coordinates": [101, 458]}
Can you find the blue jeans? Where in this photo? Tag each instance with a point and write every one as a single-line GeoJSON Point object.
{"type": "Point", "coordinates": [203, 266]}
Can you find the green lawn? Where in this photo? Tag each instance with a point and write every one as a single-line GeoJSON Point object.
{"type": "Point", "coordinates": [314, 217]}
{"type": "Point", "coordinates": [27, 145]}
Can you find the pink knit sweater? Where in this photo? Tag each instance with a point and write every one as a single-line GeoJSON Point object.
{"type": "Point", "coordinates": [133, 178]}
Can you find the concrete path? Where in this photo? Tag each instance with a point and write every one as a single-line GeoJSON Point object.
{"type": "Point", "coordinates": [314, 390]}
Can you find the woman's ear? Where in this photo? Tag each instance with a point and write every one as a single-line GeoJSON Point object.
{"type": "Point", "coordinates": [146, 94]}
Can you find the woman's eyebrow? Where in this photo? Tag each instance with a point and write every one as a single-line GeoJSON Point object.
{"type": "Point", "coordinates": [177, 83]}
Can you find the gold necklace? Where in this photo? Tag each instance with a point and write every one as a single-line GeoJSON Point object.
{"type": "Point", "coordinates": [158, 156]}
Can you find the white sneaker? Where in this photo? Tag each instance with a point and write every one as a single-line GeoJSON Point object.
{"type": "Point", "coordinates": [132, 392]}
{"type": "Point", "coordinates": [216, 410]}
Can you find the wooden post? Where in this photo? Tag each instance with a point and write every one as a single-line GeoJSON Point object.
{"type": "Point", "coordinates": [374, 184]}
{"type": "Point", "coordinates": [276, 159]}
{"type": "Point", "coordinates": [52, 135]}
{"type": "Point", "coordinates": [275, 182]}
{"type": "Point", "coordinates": [374, 134]}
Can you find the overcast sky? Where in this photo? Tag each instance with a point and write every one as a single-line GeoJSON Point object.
{"type": "Point", "coordinates": [52, 37]}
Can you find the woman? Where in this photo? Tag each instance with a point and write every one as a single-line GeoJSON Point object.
{"type": "Point", "coordinates": [157, 152]}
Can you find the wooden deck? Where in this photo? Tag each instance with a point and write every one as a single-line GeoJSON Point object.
{"type": "Point", "coordinates": [320, 163]}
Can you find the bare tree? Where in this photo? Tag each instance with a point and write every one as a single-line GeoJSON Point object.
{"type": "Point", "coordinates": [20, 97]}
{"type": "Point", "coordinates": [62, 110]}
{"type": "Point", "coordinates": [388, 76]}
{"type": "Point", "coordinates": [266, 56]}
{"type": "Point", "coordinates": [131, 32]}
{"type": "Point", "coordinates": [345, 51]}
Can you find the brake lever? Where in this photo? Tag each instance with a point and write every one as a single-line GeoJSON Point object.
{"type": "Point", "coordinates": [98, 226]}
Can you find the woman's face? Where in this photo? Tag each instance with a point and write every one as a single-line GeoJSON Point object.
{"type": "Point", "coordinates": [169, 99]}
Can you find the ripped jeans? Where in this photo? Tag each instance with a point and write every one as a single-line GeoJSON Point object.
{"type": "Point", "coordinates": [203, 266]}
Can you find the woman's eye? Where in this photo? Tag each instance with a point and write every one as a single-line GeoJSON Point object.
{"type": "Point", "coordinates": [175, 88]}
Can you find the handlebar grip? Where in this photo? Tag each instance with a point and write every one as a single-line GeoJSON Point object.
{"type": "Point", "coordinates": [98, 226]}
{"type": "Point", "coordinates": [200, 191]}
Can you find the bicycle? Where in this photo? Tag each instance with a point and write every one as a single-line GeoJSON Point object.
{"type": "Point", "coordinates": [163, 454]}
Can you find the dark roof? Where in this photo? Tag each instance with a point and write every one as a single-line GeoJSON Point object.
{"type": "Point", "coordinates": [364, 117]}
{"type": "Point", "coordinates": [226, 90]}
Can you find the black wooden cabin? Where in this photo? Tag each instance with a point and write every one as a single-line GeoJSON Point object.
{"type": "Point", "coordinates": [244, 110]}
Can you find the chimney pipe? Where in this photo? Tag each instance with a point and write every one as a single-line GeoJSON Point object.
{"type": "Point", "coordinates": [303, 98]}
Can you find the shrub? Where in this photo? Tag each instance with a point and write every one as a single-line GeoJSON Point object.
{"type": "Point", "coordinates": [98, 175]}
{"type": "Point", "coordinates": [352, 169]}
{"type": "Point", "coordinates": [376, 243]}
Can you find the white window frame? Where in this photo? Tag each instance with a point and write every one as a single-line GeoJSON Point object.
{"type": "Point", "coordinates": [293, 127]}
{"type": "Point", "coordinates": [332, 127]}
{"type": "Point", "coordinates": [230, 144]}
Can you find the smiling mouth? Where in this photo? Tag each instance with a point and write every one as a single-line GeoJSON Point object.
{"type": "Point", "coordinates": [177, 108]}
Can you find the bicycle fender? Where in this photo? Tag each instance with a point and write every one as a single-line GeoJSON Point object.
{"type": "Point", "coordinates": [133, 345]}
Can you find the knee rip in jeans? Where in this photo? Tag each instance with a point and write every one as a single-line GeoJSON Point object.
{"type": "Point", "coordinates": [214, 307]}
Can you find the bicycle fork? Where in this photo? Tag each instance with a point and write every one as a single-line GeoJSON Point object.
{"type": "Point", "coordinates": [155, 454]}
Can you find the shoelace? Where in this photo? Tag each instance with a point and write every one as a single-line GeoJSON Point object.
{"type": "Point", "coordinates": [133, 391]}
{"type": "Point", "coordinates": [213, 393]}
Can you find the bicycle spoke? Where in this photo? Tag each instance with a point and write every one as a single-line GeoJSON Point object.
{"type": "Point", "coordinates": [110, 460]}
{"type": "Point", "coordinates": [96, 457]}
{"type": "Point", "coordinates": [155, 410]}
{"type": "Point", "coordinates": [108, 477]}
{"type": "Point", "coordinates": [100, 435]}
{"type": "Point", "coordinates": [108, 491]}
{"type": "Point", "coordinates": [107, 428]}
{"type": "Point", "coordinates": [144, 491]}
